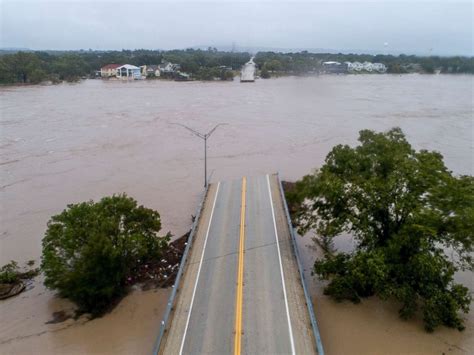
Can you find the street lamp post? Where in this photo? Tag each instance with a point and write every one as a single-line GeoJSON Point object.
{"type": "Point", "coordinates": [204, 137]}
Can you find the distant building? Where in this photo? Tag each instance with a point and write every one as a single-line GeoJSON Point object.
{"type": "Point", "coordinates": [380, 67]}
{"type": "Point", "coordinates": [413, 68]}
{"type": "Point", "coordinates": [150, 70]}
{"type": "Point", "coordinates": [366, 66]}
{"type": "Point", "coordinates": [355, 66]}
{"type": "Point", "coordinates": [168, 68]}
{"type": "Point", "coordinates": [128, 71]}
{"type": "Point", "coordinates": [109, 70]}
{"type": "Point", "coordinates": [181, 76]}
{"type": "Point", "coordinates": [334, 67]}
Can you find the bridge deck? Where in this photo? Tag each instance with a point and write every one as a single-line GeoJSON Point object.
{"type": "Point", "coordinates": [248, 72]}
{"type": "Point", "coordinates": [271, 313]}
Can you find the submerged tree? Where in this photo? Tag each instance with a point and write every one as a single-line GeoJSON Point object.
{"type": "Point", "coordinates": [264, 73]}
{"type": "Point", "coordinates": [413, 222]}
{"type": "Point", "coordinates": [90, 249]}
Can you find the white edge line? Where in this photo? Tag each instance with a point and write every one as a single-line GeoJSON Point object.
{"type": "Point", "coordinates": [281, 269]}
{"type": "Point", "coordinates": [199, 271]}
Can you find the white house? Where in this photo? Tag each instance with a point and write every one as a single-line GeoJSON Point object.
{"type": "Point", "coordinates": [128, 71]}
{"type": "Point", "coordinates": [380, 67]}
{"type": "Point", "coordinates": [169, 68]}
{"type": "Point", "coordinates": [367, 66]}
{"type": "Point", "coordinates": [356, 66]}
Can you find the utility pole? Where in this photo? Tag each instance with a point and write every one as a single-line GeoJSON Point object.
{"type": "Point", "coordinates": [204, 137]}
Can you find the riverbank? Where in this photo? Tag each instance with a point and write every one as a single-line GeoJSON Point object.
{"type": "Point", "coordinates": [274, 75]}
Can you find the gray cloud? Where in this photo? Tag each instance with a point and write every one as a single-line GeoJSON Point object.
{"type": "Point", "coordinates": [418, 27]}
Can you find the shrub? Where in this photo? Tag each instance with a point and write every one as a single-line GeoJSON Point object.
{"type": "Point", "coordinates": [9, 273]}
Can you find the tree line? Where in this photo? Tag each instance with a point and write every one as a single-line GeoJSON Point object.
{"type": "Point", "coordinates": [39, 66]}
{"type": "Point", "coordinates": [306, 62]}
{"type": "Point", "coordinates": [35, 67]}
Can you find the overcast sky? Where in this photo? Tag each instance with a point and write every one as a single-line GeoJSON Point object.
{"type": "Point", "coordinates": [418, 26]}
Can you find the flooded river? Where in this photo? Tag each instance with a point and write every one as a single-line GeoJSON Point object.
{"type": "Point", "coordinates": [73, 142]}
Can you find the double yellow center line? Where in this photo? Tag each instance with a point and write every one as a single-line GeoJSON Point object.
{"type": "Point", "coordinates": [240, 275]}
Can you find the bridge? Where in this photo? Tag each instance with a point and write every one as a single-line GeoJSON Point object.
{"type": "Point", "coordinates": [247, 74]}
{"type": "Point", "coordinates": [240, 288]}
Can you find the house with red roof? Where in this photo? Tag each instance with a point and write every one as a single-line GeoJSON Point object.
{"type": "Point", "coordinates": [109, 70]}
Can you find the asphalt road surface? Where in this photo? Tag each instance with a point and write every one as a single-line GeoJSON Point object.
{"type": "Point", "coordinates": [241, 292]}
{"type": "Point", "coordinates": [248, 71]}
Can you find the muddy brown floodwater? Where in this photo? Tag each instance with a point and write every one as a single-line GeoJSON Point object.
{"type": "Point", "coordinates": [73, 142]}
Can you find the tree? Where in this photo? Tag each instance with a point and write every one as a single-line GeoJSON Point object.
{"type": "Point", "coordinates": [9, 273]}
{"type": "Point", "coordinates": [226, 75]}
{"type": "Point", "coordinates": [265, 73]}
{"type": "Point", "coordinates": [21, 67]}
{"type": "Point", "coordinates": [90, 249]}
{"type": "Point", "coordinates": [412, 220]}
{"type": "Point", "coordinates": [273, 65]}
{"type": "Point", "coordinates": [70, 67]}
{"type": "Point", "coordinates": [396, 69]}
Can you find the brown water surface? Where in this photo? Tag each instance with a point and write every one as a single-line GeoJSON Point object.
{"type": "Point", "coordinates": [72, 142]}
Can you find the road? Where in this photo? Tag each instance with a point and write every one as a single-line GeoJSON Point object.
{"type": "Point", "coordinates": [248, 71]}
{"type": "Point", "coordinates": [241, 292]}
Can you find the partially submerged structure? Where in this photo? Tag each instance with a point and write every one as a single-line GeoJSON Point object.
{"type": "Point", "coordinates": [247, 75]}
{"type": "Point", "coordinates": [181, 76]}
{"type": "Point", "coordinates": [150, 71]}
{"type": "Point", "coordinates": [168, 68]}
{"type": "Point", "coordinates": [128, 72]}
{"type": "Point", "coordinates": [366, 66]}
{"type": "Point", "coordinates": [109, 70]}
{"type": "Point", "coordinates": [334, 67]}
{"type": "Point", "coordinates": [120, 71]}
{"type": "Point", "coordinates": [351, 67]}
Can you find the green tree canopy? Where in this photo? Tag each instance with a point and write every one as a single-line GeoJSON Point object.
{"type": "Point", "coordinates": [90, 249]}
{"type": "Point", "coordinates": [21, 67]}
{"type": "Point", "coordinates": [264, 73]}
{"type": "Point", "coordinates": [38, 66]}
{"type": "Point", "coordinates": [412, 220]}
{"type": "Point", "coordinates": [70, 67]}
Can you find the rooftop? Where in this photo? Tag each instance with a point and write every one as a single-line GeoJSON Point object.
{"type": "Point", "coordinates": [127, 66]}
{"type": "Point", "coordinates": [110, 66]}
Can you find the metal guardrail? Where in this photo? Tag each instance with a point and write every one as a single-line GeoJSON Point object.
{"type": "Point", "coordinates": [172, 298]}
{"type": "Point", "coordinates": [314, 323]}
